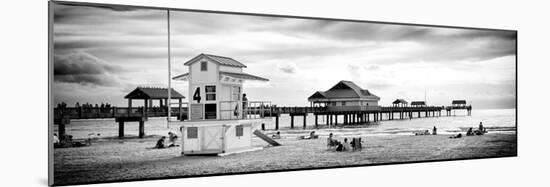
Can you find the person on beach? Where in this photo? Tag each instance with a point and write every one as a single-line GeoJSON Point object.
{"type": "Point", "coordinates": [331, 142]}
{"type": "Point", "coordinates": [459, 135]}
{"type": "Point", "coordinates": [345, 145]}
{"type": "Point", "coordinates": [434, 131]}
{"type": "Point", "coordinates": [172, 137]}
{"type": "Point", "coordinates": [481, 126]}
{"type": "Point", "coordinates": [470, 132]}
{"type": "Point", "coordinates": [92, 136]}
{"type": "Point", "coordinates": [160, 143]}
{"type": "Point", "coordinates": [276, 135]}
{"type": "Point", "coordinates": [481, 130]}
{"type": "Point", "coordinates": [426, 132]}
{"type": "Point", "coordinates": [356, 144]}
{"type": "Point", "coordinates": [312, 135]}
{"type": "Point", "coordinates": [340, 147]}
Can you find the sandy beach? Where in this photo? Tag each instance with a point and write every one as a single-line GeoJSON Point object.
{"type": "Point", "coordinates": [131, 159]}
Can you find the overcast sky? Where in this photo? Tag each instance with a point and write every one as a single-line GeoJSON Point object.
{"type": "Point", "coordinates": [102, 53]}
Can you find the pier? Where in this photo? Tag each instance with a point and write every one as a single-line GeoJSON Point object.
{"type": "Point", "coordinates": [345, 101]}
{"type": "Point", "coordinates": [351, 115]}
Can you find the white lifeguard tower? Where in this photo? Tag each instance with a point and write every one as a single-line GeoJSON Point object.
{"type": "Point", "coordinates": [220, 122]}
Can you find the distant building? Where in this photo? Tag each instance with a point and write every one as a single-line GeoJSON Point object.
{"type": "Point", "coordinates": [400, 103]}
{"type": "Point", "coordinates": [149, 94]}
{"type": "Point", "coordinates": [459, 103]}
{"type": "Point", "coordinates": [418, 103]}
{"type": "Point", "coordinates": [345, 95]}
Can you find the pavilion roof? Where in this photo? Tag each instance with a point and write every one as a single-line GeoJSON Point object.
{"type": "Point", "coordinates": [153, 93]}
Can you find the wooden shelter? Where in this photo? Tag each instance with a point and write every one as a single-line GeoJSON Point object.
{"type": "Point", "coordinates": [148, 95]}
{"type": "Point", "coordinates": [418, 103]}
{"type": "Point", "coordinates": [459, 103]}
{"type": "Point", "coordinates": [400, 103]}
{"type": "Point", "coordinates": [344, 94]}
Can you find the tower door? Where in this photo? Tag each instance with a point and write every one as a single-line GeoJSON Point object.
{"type": "Point", "coordinates": [210, 111]}
{"type": "Point", "coordinates": [212, 138]}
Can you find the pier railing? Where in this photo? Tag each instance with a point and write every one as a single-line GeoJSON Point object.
{"type": "Point", "coordinates": [411, 108]}
{"type": "Point", "coordinates": [113, 112]}
{"type": "Point", "coordinates": [461, 107]}
{"type": "Point", "coordinates": [352, 108]}
{"type": "Point", "coordinates": [253, 109]}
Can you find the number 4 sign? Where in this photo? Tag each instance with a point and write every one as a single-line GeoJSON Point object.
{"type": "Point", "coordinates": [197, 95]}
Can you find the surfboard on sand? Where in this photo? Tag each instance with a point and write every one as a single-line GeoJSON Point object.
{"type": "Point", "coordinates": [266, 138]}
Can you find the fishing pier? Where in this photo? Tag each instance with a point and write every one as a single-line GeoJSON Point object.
{"type": "Point", "coordinates": [349, 115]}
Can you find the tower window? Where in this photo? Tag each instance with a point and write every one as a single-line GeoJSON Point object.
{"type": "Point", "coordinates": [210, 93]}
{"type": "Point", "coordinates": [204, 66]}
{"type": "Point", "coordinates": [239, 130]}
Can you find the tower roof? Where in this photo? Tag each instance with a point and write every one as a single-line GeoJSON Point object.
{"type": "Point", "coordinates": [226, 61]}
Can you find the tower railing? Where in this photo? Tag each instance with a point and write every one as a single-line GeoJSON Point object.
{"type": "Point", "coordinates": [245, 109]}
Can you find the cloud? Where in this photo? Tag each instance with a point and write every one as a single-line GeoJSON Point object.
{"type": "Point", "coordinates": [372, 67]}
{"type": "Point", "coordinates": [384, 58]}
{"type": "Point", "coordinates": [85, 69]}
{"type": "Point", "coordinates": [289, 68]}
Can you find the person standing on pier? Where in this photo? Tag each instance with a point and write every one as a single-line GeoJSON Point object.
{"type": "Point", "coordinates": [245, 104]}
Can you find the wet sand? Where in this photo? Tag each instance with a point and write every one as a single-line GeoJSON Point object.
{"type": "Point", "coordinates": [130, 159]}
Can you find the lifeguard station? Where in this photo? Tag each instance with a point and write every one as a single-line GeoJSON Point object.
{"type": "Point", "coordinates": [220, 122]}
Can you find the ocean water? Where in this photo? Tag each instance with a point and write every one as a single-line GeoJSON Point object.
{"type": "Point", "coordinates": [496, 121]}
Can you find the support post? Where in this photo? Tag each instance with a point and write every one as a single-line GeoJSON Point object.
{"type": "Point", "coordinates": [129, 107]}
{"type": "Point", "coordinates": [180, 109]}
{"type": "Point", "coordinates": [277, 122]}
{"type": "Point", "coordinates": [141, 129]}
{"type": "Point", "coordinates": [316, 122]}
{"type": "Point", "coordinates": [121, 129]}
{"type": "Point", "coordinates": [304, 121]}
{"type": "Point", "coordinates": [145, 108]}
{"type": "Point", "coordinates": [345, 120]}
{"type": "Point", "coordinates": [61, 131]}
{"type": "Point", "coordinates": [291, 121]}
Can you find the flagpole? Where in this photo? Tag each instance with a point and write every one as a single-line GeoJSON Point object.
{"type": "Point", "coordinates": [169, 102]}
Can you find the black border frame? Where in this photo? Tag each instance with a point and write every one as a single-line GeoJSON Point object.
{"type": "Point", "coordinates": [50, 82]}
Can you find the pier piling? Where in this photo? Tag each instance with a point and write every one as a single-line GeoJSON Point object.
{"type": "Point", "coordinates": [277, 122]}
{"type": "Point", "coordinates": [316, 123]}
{"type": "Point", "coordinates": [291, 121]}
{"type": "Point", "coordinates": [304, 121]}
{"type": "Point", "coordinates": [141, 129]}
{"type": "Point", "coordinates": [121, 129]}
